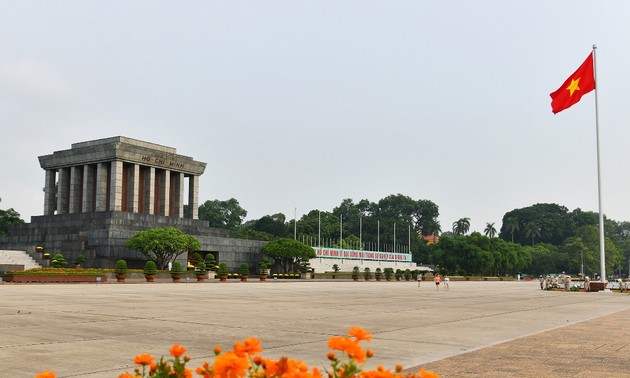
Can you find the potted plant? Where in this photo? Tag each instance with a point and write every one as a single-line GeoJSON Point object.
{"type": "Point", "coordinates": [223, 271]}
{"type": "Point", "coordinates": [407, 275]}
{"type": "Point", "coordinates": [305, 270]}
{"type": "Point", "coordinates": [335, 270]}
{"type": "Point", "coordinates": [46, 256]}
{"type": "Point", "coordinates": [196, 258]}
{"type": "Point", "coordinates": [378, 273]}
{"type": "Point", "coordinates": [398, 274]}
{"type": "Point", "coordinates": [176, 271]}
{"type": "Point", "coordinates": [58, 261]}
{"type": "Point", "coordinates": [367, 275]}
{"type": "Point", "coordinates": [244, 271]}
{"type": "Point", "coordinates": [78, 261]}
{"type": "Point", "coordinates": [263, 268]}
{"type": "Point", "coordinates": [201, 272]}
{"type": "Point", "coordinates": [355, 273]}
{"type": "Point", "coordinates": [150, 271]}
{"type": "Point", "coordinates": [211, 265]}
{"type": "Point", "coordinates": [121, 270]}
{"type": "Point", "coordinates": [389, 273]}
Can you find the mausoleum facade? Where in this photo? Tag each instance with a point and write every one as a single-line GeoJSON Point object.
{"type": "Point", "coordinates": [100, 193]}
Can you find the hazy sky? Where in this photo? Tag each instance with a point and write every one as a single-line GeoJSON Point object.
{"type": "Point", "coordinates": [300, 104]}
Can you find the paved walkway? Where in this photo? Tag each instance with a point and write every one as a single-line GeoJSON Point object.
{"type": "Point", "coordinates": [594, 348]}
{"type": "Point", "coordinates": [508, 328]}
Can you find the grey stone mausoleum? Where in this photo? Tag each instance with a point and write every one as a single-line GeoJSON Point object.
{"type": "Point", "coordinates": [100, 193]}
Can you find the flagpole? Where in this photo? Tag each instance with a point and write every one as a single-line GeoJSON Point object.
{"type": "Point", "coordinates": [341, 231]}
{"type": "Point", "coordinates": [602, 252]}
{"type": "Point", "coordinates": [319, 230]}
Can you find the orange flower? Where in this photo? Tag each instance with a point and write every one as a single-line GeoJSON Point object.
{"type": "Point", "coordinates": [143, 359]}
{"type": "Point", "coordinates": [249, 346]}
{"type": "Point", "coordinates": [126, 375]}
{"type": "Point", "coordinates": [230, 365]}
{"type": "Point", "coordinates": [46, 374]}
{"type": "Point", "coordinates": [369, 353]}
{"type": "Point", "coordinates": [399, 368]}
{"type": "Point", "coordinates": [360, 334]}
{"type": "Point", "coordinates": [217, 350]}
{"type": "Point", "coordinates": [177, 350]}
{"type": "Point", "coordinates": [428, 374]}
{"type": "Point", "coordinates": [348, 346]}
{"type": "Point", "coordinates": [204, 370]}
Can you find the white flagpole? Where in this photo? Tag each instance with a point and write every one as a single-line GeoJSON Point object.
{"type": "Point", "coordinates": [341, 231]}
{"type": "Point", "coordinates": [319, 230]}
{"type": "Point", "coordinates": [602, 252]}
{"type": "Point", "coordinates": [378, 236]}
{"type": "Point", "coordinates": [295, 223]}
{"type": "Point", "coordinates": [361, 231]}
{"type": "Point", "coordinates": [394, 237]}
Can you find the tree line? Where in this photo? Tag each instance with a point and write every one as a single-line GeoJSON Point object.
{"type": "Point", "coordinates": [538, 239]}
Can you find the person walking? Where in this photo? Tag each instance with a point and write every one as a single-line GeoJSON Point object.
{"type": "Point", "coordinates": [437, 282]}
{"type": "Point", "coordinates": [446, 279]}
{"type": "Point", "coordinates": [419, 278]}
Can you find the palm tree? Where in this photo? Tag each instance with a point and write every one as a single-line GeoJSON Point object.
{"type": "Point", "coordinates": [461, 226]}
{"type": "Point", "coordinates": [511, 225]}
{"type": "Point", "coordinates": [490, 231]}
{"type": "Point", "coordinates": [532, 230]}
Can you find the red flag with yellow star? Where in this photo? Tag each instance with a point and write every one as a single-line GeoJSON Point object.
{"type": "Point", "coordinates": [577, 85]}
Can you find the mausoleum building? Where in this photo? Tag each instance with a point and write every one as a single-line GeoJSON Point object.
{"type": "Point", "coordinates": [100, 193]}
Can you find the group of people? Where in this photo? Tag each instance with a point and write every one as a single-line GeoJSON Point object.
{"type": "Point", "coordinates": [437, 279]}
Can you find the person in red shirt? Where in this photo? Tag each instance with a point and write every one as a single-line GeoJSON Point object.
{"type": "Point", "coordinates": [437, 282]}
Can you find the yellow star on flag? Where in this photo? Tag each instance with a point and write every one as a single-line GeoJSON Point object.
{"type": "Point", "coordinates": [574, 86]}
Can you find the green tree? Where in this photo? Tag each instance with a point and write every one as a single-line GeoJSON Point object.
{"type": "Point", "coordinates": [461, 226]}
{"type": "Point", "coordinates": [162, 244]}
{"type": "Point", "coordinates": [288, 253]}
{"type": "Point", "coordinates": [490, 231]}
{"type": "Point", "coordinates": [222, 214]}
{"type": "Point", "coordinates": [8, 217]}
{"type": "Point", "coordinates": [554, 221]}
{"type": "Point", "coordinates": [511, 225]}
{"type": "Point", "coordinates": [274, 225]}
{"type": "Point", "coordinates": [532, 231]}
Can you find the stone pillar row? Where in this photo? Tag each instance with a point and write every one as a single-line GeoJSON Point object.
{"type": "Point", "coordinates": [119, 186]}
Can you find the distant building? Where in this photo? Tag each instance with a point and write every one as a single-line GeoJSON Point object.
{"type": "Point", "coordinates": [430, 239]}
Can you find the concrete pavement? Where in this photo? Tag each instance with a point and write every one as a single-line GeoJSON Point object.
{"type": "Point", "coordinates": [90, 330]}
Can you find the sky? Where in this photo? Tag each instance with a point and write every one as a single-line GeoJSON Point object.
{"type": "Point", "coordinates": [297, 105]}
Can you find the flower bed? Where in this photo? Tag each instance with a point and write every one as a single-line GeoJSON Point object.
{"type": "Point", "coordinates": [56, 275]}
{"type": "Point", "coordinates": [54, 278]}
{"type": "Point", "coordinates": [245, 360]}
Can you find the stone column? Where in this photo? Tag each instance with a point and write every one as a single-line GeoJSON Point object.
{"type": "Point", "coordinates": [50, 200]}
{"type": "Point", "coordinates": [193, 196]}
{"type": "Point", "coordinates": [149, 191]}
{"type": "Point", "coordinates": [164, 190]}
{"type": "Point", "coordinates": [177, 181]}
{"type": "Point", "coordinates": [63, 195]}
{"type": "Point", "coordinates": [115, 186]}
{"type": "Point", "coordinates": [102, 170]}
{"type": "Point", "coordinates": [88, 188]}
{"type": "Point", "coordinates": [132, 189]}
{"type": "Point", "coordinates": [76, 189]}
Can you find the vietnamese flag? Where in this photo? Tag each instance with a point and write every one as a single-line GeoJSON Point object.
{"type": "Point", "coordinates": [571, 91]}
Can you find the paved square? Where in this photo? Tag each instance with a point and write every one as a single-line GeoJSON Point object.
{"type": "Point", "coordinates": [89, 330]}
